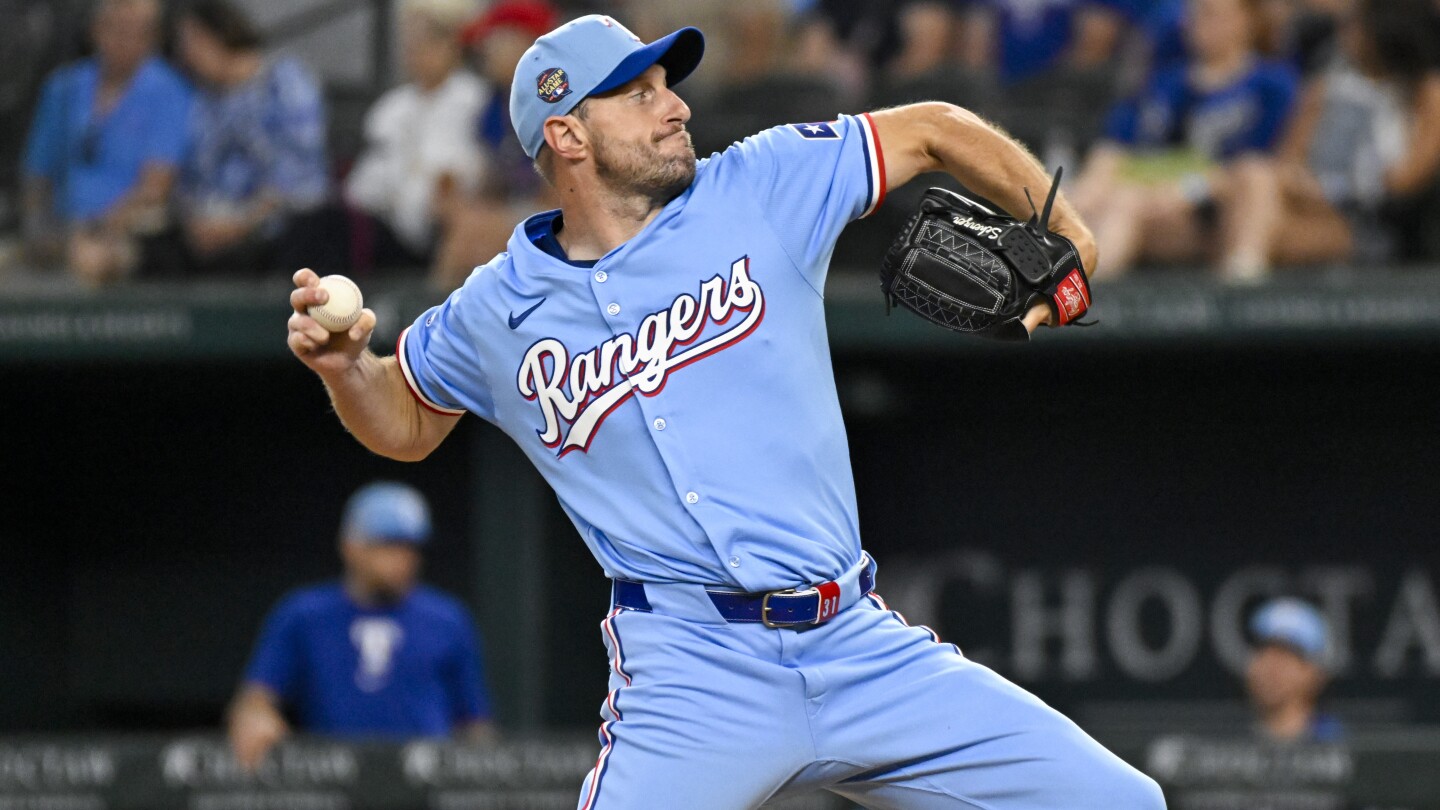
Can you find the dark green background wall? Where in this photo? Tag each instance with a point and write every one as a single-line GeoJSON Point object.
{"type": "Point", "coordinates": [151, 513]}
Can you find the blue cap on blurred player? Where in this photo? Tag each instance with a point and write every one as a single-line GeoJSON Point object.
{"type": "Point", "coordinates": [586, 56]}
{"type": "Point", "coordinates": [1294, 623]}
{"type": "Point", "coordinates": [386, 512]}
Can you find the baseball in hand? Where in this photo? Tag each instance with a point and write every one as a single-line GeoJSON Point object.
{"type": "Point", "coordinates": [342, 310]}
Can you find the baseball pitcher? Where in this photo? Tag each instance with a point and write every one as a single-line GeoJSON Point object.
{"type": "Point", "coordinates": [657, 348]}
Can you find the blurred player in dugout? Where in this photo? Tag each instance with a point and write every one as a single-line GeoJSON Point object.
{"type": "Point", "coordinates": [374, 655]}
{"type": "Point", "coordinates": [1287, 672]}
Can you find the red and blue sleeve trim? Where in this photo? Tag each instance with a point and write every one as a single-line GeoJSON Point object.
{"type": "Point", "coordinates": [874, 163]}
{"type": "Point", "coordinates": [425, 402]}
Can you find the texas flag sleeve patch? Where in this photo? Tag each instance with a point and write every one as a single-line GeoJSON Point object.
{"type": "Point", "coordinates": [817, 131]}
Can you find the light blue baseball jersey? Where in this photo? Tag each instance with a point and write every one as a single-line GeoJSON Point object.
{"type": "Point", "coordinates": [678, 395]}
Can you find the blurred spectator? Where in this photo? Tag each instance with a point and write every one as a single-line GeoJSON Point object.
{"type": "Point", "coordinates": [419, 137]}
{"type": "Point", "coordinates": [105, 146]}
{"type": "Point", "coordinates": [1286, 674]}
{"type": "Point", "coordinates": [928, 33]}
{"type": "Point", "coordinates": [1018, 39]}
{"type": "Point", "coordinates": [744, 39]}
{"type": "Point", "coordinates": [1183, 173]}
{"type": "Point", "coordinates": [1304, 32]}
{"type": "Point", "coordinates": [866, 30]}
{"type": "Point", "coordinates": [1301, 32]}
{"type": "Point", "coordinates": [478, 225]}
{"type": "Point", "coordinates": [374, 655]}
{"type": "Point", "coordinates": [851, 41]}
{"type": "Point", "coordinates": [257, 178]}
{"type": "Point", "coordinates": [1367, 133]}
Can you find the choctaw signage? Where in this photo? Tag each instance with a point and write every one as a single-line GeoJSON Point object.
{"type": "Point", "coordinates": [1152, 624]}
{"type": "Point", "coordinates": [200, 773]}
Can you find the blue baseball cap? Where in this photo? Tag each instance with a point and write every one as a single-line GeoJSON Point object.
{"type": "Point", "coordinates": [1294, 623]}
{"type": "Point", "coordinates": [386, 512]}
{"type": "Point", "coordinates": [589, 55]}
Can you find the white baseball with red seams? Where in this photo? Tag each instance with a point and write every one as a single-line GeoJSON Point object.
{"type": "Point", "coordinates": [342, 309]}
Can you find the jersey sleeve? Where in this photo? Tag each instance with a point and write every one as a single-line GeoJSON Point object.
{"type": "Point", "coordinates": [45, 150]}
{"type": "Point", "coordinates": [278, 658]}
{"type": "Point", "coordinates": [810, 181]}
{"type": "Point", "coordinates": [438, 357]}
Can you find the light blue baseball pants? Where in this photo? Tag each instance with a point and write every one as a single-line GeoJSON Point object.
{"type": "Point", "coordinates": [704, 715]}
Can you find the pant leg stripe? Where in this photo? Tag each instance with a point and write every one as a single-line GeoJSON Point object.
{"type": "Point", "coordinates": [619, 662]}
{"type": "Point", "coordinates": [613, 701]}
{"type": "Point", "coordinates": [934, 636]}
{"type": "Point", "coordinates": [600, 765]}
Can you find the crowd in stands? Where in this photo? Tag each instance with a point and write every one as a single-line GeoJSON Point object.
{"type": "Point", "coordinates": [1243, 135]}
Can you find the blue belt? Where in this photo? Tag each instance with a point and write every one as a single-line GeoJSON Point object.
{"type": "Point", "coordinates": [788, 608]}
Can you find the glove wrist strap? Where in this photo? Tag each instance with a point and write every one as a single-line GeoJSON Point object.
{"type": "Point", "coordinates": [1069, 298]}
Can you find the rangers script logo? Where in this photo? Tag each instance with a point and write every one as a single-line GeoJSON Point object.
{"type": "Point", "coordinates": [580, 391]}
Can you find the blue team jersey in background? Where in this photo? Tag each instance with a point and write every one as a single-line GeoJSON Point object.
{"type": "Point", "coordinates": [266, 136]}
{"type": "Point", "coordinates": [678, 395]}
{"type": "Point", "coordinates": [1162, 29]}
{"type": "Point", "coordinates": [409, 670]}
{"type": "Point", "coordinates": [1033, 35]}
{"type": "Point", "coordinates": [91, 162]}
{"type": "Point", "coordinates": [1247, 115]}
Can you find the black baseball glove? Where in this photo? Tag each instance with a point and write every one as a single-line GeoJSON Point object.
{"type": "Point", "coordinates": [965, 264]}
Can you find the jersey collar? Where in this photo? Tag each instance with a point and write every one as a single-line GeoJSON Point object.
{"type": "Point", "coordinates": [529, 257]}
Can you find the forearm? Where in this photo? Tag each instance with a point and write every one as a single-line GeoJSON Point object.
{"type": "Point", "coordinates": [144, 200]}
{"type": "Point", "coordinates": [374, 403]}
{"type": "Point", "coordinates": [999, 168]}
{"type": "Point", "coordinates": [254, 700]}
{"type": "Point", "coordinates": [255, 724]}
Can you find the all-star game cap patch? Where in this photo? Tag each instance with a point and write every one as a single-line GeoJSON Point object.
{"type": "Point", "coordinates": [552, 85]}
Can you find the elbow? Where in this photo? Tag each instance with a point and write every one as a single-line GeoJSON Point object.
{"type": "Point", "coordinates": [944, 125]}
{"type": "Point", "coordinates": [945, 120]}
{"type": "Point", "coordinates": [408, 450]}
{"type": "Point", "coordinates": [406, 454]}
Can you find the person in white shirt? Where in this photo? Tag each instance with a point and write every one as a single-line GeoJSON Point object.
{"type": "Point", "coordinates": [420, 149]}
{"type": "Point", "coordinates": [480, 224]}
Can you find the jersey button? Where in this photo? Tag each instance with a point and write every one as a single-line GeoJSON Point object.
{"type": "Point", "coordinates": [601, 276]}
{"type": "Point", "coordinates": [659, 424]}
{"type": "Point", "coordinates": [734, 562]}
{"type": "Point", "coordinates": [613, 309]}
{"type": "Point", "coordinates": [692, 497]}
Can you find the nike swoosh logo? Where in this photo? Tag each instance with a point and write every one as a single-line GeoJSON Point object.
{"type": "Point", "coordinates": [516, 320]}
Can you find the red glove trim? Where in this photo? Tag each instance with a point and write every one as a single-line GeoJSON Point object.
{"type": "Point", "coordinates": [1072, 297]}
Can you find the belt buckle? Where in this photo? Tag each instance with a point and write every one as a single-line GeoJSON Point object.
{"type": "Point", "coordinates": [765, 607]}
